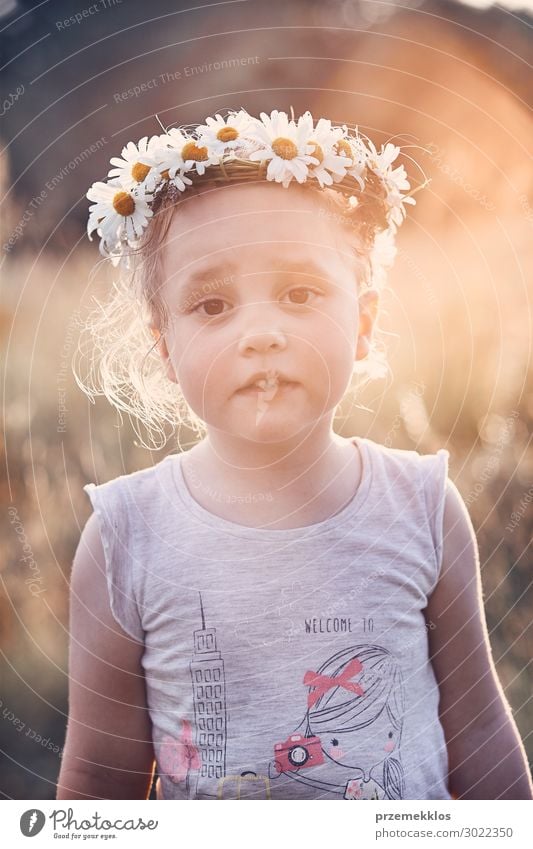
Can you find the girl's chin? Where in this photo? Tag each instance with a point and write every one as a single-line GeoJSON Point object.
{"type": "Point", "coordinates": [269, 432]}
{"type": "Point", "coordinates": [271, 427]}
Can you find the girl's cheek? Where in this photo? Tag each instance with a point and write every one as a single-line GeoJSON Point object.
{"type": "Point", "coordinates": [336, 752]}
{"type": "Point", "coordinates": [389, 746]}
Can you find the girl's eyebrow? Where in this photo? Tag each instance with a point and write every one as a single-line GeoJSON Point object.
{"type": "Point", "coordinates": [301, 267]}
{"type": "Point", "coordinates": [221, 275]}
{"type": "Point", "coordinates": [216, 273]}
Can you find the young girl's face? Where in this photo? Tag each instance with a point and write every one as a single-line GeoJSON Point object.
{"type": "Point", "coordinates": [366, 747]}
{"type": "Point", "coordinates": [265, 322]}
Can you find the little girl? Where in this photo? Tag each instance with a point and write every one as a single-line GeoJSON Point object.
{"type": "Point", "coordinates": [278, 612]}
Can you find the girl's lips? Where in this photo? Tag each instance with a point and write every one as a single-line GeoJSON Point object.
{"type": "Point", "coordinates": [271, 392]}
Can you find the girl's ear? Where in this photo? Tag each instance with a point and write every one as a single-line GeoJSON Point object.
{"type": "Point", "coordinates": [368, 310]}
{"type": "Point", "coordinates": [163, 352]}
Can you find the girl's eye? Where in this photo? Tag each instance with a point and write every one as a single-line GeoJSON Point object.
{"type": "Point", "coordinates": [212, 307]}
{"type": "Point", "coordinates": [334, 742]}
{"type": "Point", "coordinates": [390, 735]}
{"type": "Point", "coordinates": [301, 295]}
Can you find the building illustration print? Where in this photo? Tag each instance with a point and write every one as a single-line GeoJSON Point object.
{"type": "Point", "coordinates": [209, 699]}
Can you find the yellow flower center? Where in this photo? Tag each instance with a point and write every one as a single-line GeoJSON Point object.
{"type": "Point", "coordinates": [192, 151]}
{"type": "Point", "coordinates": [284, 148]}
{"type": "Point", "coordinates": [343, 147]}
{"type": "Point", "coordinates": [227, 134]}
{"type": "Point", "coordinates": [165, 175]}
{"type": "Point", "coordinates": [124, 204]}
{"type": "Point", "coordinates": [317, 152]}
{"type": "Point", "coordinates": [139, 171]}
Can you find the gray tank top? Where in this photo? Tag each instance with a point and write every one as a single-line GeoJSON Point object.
{"type": "Point", "coordinates": [285, 664]}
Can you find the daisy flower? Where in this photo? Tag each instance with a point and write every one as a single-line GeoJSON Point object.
{"type": "Point", "coordinates": [395, 199]}
{"type": "Point", "coordinates": [117, 214]}
{"type": "Point", "coordinates": [359, 160]}
{"type": "Point", "coordinates": [380, 163]}
{"type": "Point", "coordinates": [332, 165]}
{"type": "Point", "coordinates": [286, 146]}
{"type": "Point", "coordinates": [394, 180]}
{"type": "Point", "coordinates": [224, 135]}
{"type": "Point", "coordinates": [138, 164]}
{"type": "Point", "coordinates": [184, 153]}
{"type": "Point", "coordinates": [171, 165]}
{"type": "Point", "coordinates": [353, 149]}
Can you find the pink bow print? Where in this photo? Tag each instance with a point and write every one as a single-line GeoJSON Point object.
{"type": "Point", "coordinates": [322, 683]}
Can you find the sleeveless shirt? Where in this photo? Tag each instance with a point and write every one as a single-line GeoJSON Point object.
{"type": "Point", "coordinates": [285, 664]}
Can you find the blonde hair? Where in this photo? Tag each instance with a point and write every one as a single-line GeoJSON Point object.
{"type": "Point", "coordinates": [117, 355]}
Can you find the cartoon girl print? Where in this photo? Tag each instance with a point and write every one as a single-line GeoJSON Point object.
{"type": "Point", "coordinates": [351, 737]}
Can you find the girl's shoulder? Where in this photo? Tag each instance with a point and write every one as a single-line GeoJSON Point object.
{"type": "Point", "coordinates": [144, 492]}
{"type": "Point", "coordinates": [418, 482]}
{"type": "Point", "coordinates": [132, 510]}
{"type": "Point", "coordinates": [407, 464]}
{"type": "Point", "coordinates": [141, 480]}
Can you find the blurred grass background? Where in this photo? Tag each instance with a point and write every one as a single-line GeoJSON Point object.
{"type": "Point", "coordinates": [458, 314]}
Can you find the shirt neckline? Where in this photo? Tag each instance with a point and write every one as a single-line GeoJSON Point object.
{"type": "Point", "coordinates": [348, 512]}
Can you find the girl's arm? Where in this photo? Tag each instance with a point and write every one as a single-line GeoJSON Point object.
{"type": "Point", "coordinates": [486, 755]}
{"type": "Point", "coordinates": [108, 751]}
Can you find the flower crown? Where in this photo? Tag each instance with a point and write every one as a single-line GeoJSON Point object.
{"type": "Point", "coordinates": [245, 148]}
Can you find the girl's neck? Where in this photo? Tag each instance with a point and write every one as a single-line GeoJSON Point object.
{"type": "Point", "coordinates": [243, 459]}
{"type": "Point", "coordinates": [282, 486]}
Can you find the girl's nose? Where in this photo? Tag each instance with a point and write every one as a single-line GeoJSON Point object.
{"type": "Point", "coordinates": [262, 342]}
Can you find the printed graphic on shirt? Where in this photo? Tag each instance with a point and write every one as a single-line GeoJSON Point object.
{"type": "Point", "coordinates": [178, 757]}
{"type": "Point", "coordinates": [246, 785]}
{"type": "Point", "coordinates": [351, 733]}
{"type": "Point", "coordinates": [348, 744]}
{"type": "Point", "coordinates": [209, 699]}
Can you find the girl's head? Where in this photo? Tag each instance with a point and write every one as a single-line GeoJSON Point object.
{"type": "Point", "coordinates": [246, 307]}
{"type": "Point", "coordinates": [360, 729]}
{"type": "Point", "coordinates": [258, 284]}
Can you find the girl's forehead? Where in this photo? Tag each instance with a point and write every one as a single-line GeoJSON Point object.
{"type": "Point", "coordinates": [254, 222]}
{"type": "Point", "coordinates": [249, 197]}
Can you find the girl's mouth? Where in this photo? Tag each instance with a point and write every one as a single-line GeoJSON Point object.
{"type": "Point", "coordinates": [266, 388]}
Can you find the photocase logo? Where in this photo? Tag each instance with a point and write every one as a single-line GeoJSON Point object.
{"type": "Point", "coordinates": [32, 822]}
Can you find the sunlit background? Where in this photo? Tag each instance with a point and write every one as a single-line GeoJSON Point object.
{"type": "Point", "coordinates": [450, 82]}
